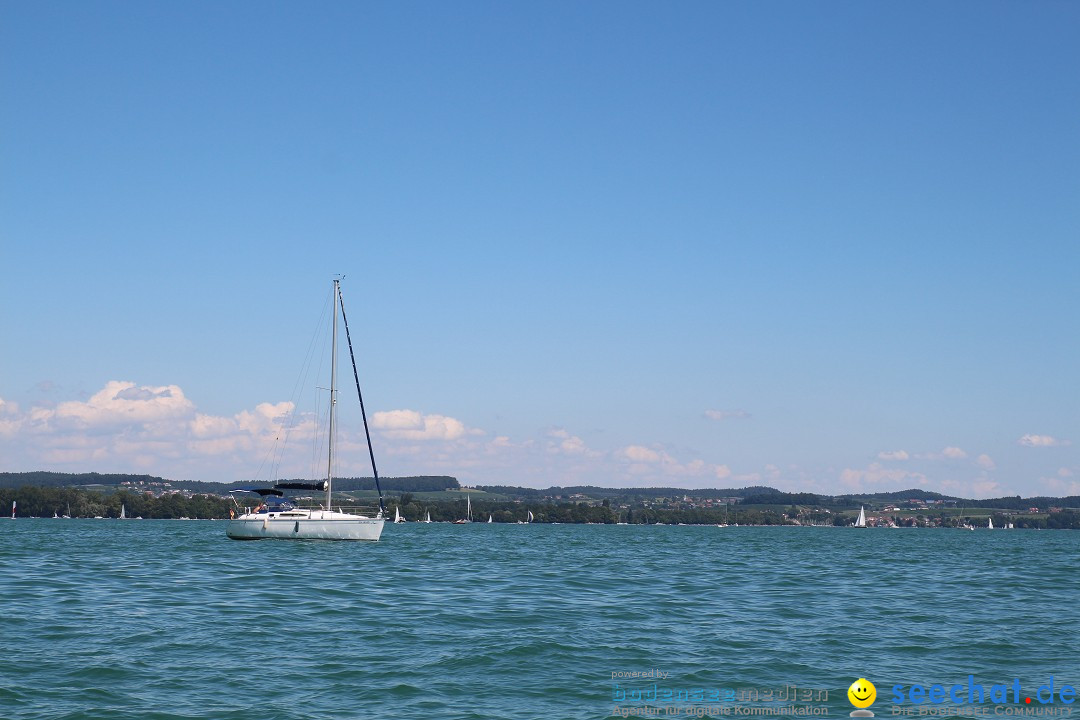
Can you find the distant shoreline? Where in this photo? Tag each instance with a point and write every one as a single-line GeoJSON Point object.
{"type": "Point", "coordinates": [444, 500]}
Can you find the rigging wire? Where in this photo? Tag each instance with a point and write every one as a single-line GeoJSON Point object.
{"type": "Point", "coordinates": [302, 382]}
{"type": "Point", "coordinates": [360, 395]}
{"type": "Point", "coordinates": [276, 452]}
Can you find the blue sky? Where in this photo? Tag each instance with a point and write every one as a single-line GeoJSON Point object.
{"type": "Point", "coordinates": [819, 246]}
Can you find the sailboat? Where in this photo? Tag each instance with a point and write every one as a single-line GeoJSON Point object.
{"type": "Point", "coordinates": [489, 518]}
{"type": "Point", "coordinates": [468, 512]}
{"type": "Point", "coordinates": [13, 503]}
{"type": "Point", "coordinates": [397, 515]}
{"type": "Point", "coordinates": [275, 518]}
{"type": "Point", "coordinates": [427, 517]}
{"type": "Point", "coordinates": [123, 511]}
{"type": "Point", "coordinates": [861, 521]}
{"type": "Point", "coordinates": [990, 524]}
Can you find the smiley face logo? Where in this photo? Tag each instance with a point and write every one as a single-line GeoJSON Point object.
{"type": "Point", "coordinates": [862, 693]}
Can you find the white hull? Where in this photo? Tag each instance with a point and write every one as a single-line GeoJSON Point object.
{"type": "Point", "coordinates": [304, 525]}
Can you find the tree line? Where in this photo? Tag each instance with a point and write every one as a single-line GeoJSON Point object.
{"type": "Point", "coordinates": [76, 502]}
{"type": "Point", "coordinates": [79, 502]}
{"type": "Point", "coordinates": [413, 509]}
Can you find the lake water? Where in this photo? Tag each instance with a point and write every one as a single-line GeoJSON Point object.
{"type": "Point", "coordinates": [169, 619]}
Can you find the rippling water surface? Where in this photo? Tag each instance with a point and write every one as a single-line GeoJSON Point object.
{"type": "Point", "coordinates": [169, 619]}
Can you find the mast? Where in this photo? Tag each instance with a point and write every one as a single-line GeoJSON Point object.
{"type": "Point", "coordinates": [333, 401]}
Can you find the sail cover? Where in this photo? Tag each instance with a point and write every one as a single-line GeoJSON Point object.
{"type": "Point", "coordinates": [262, 491]}
{"type": "Point", "coordinates": [321, 485]}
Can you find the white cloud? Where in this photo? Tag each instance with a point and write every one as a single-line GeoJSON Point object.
{"type": "Point", "coordinates": [397, 420]}
{"type": "Point", "coordinates": [573, 445]}
{"type": "Point", "coordinates": [1063, 483]}
{"type": "Point", "coordinates": [984, 461]}
{"type": "Point", "coordinates": [208, 426]}
{"type": "Point", "coordinates": [658, 466]}
{"type": "Point", "coordinates": [121, 402]}
{"type": "Point", "coordinates": [876, 476]}
{"type": "Point", "coordinates": [561, 441]}
{"type": "Point", "coordinates": [267, 417]}
{"type": "Point", "coordinates": [977, 487]}
{"type": "Point", "coordinates": [638, 454]}
{"type": "Point", "coordinates": [412, 425]}
{"type": "Point", "coordinates": [10, 422]}
{"type": "Point", "coordinates": [1041, 441]}
{"type": "Point", "coordinates": [1064, 489]}
{"type": "Point", "coordinates": [983, 489]}
{"type": "Point", "coordinates": [893, 455]}
{"type": "Point", "coordinates": [948, 453]}
{"type": "Point", "coordinates": [247, 430]}
{"type": "Point", "coordinates": [720, 415]}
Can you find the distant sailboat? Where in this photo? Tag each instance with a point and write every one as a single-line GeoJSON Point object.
{"type": "Point", "coordinates": [861, 521]}
{"type": "Point", "coordinates": [427, 517]}
{"type": "Point", "coordinates": [123, 512]}
{"type": "Point", "coordinates": [397, 515]}
{"type": "Point", "coordinates": [468, 512]}
{"type": "Point", "coordinates": [489, 518]}
{"type": "Point", "coordinates": [530, 517]}
{"type": "Point", "coordinates": [13, 502]}
{"type": "Point", "coordinates": [68, 516]}
{"type": "Point", "coordinates": [55, 516]}
{"type": "Point", "coordinates": [990, 526]}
